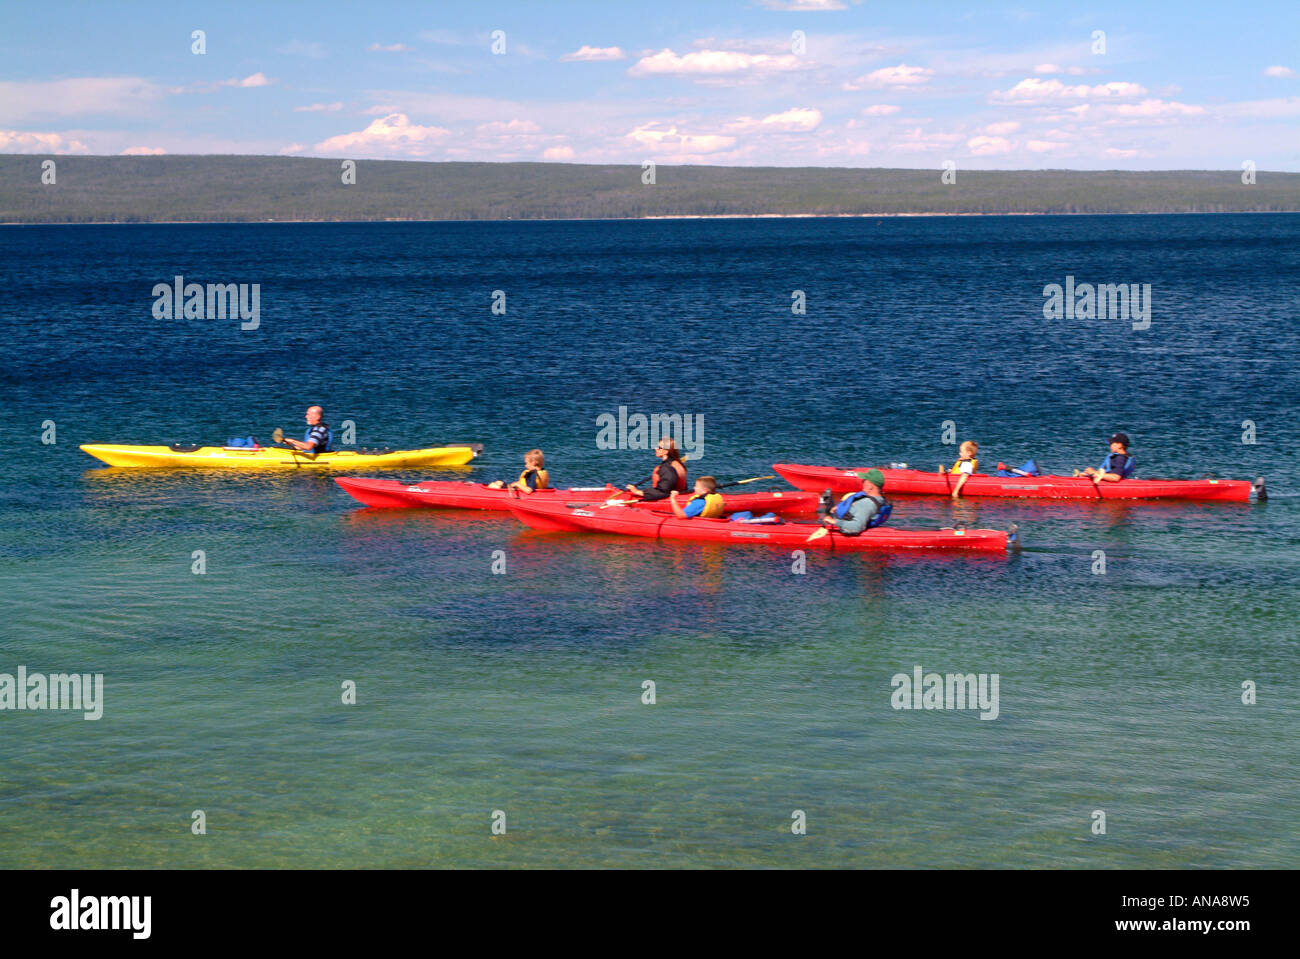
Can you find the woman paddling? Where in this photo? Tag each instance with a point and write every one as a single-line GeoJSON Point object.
{"type": "Point", "coordinates": [668, 476]}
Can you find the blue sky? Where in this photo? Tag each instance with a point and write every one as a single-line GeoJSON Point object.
{"type": "Point", "coordinates": [1187, 85]}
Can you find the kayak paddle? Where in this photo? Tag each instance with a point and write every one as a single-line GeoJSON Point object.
{"type": "Point", "coordinates": [752, 479]}
{"type": "Point", "coordinates": [277, 436]}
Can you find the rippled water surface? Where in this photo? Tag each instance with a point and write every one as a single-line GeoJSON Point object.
{"type": "Point", "coordinates": [521, 692]}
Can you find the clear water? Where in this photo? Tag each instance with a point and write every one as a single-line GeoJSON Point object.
{"type": "Point", "coordinates": [522, 692]}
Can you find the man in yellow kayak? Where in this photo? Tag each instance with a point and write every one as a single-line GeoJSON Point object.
{"type": "Point", "coordinates": [318, 438]}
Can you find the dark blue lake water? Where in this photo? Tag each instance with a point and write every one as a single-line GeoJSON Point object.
{"type": "Point", "coordinates": [1119, 692]}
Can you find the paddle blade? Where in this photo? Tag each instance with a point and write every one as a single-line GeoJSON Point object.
{"type": "Point", "coordinates": [818, 535]}
{"type": "Point", "coordinates": [278, 435]}
{"type": "Point", "coordinates": [752, 479]}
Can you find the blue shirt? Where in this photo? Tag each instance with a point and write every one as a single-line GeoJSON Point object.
{"type": "Point", "coordinates": [1118, 463]}
{"type": "Point", "coordinates": [320, 435]}
{"type": "Point", "coordinates": [694, 508]}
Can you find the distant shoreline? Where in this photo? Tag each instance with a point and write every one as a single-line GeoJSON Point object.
{"type": "Point", "coordinates": [626, 219]}
{"type": "Point", "coordinates": [235, 189]}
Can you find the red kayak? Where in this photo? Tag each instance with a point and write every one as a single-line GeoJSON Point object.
{"type": "Point", "coordinates": [457, 495]}
{"type": "Point", "coordinates": [918, 482]}
{"type": "Point", "coordinates": [556, 516]}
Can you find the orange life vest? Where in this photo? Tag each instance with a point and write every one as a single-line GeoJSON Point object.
{"type": "Point", "coordinates": [677, 465]}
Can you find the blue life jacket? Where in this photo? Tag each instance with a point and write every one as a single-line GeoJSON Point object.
{"type": "Point", "coordinates": [329, 438]}
{"type": "Point", "coordinates": [882, 513]}
{"type": "Point", "coordinates": [1119, 463]}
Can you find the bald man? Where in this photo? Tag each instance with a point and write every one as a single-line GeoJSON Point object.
{"type": "Point", "coordinates": [318, 437]}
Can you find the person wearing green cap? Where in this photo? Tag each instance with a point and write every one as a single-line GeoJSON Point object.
{"type": "Point", "coordinates": [861, 511]}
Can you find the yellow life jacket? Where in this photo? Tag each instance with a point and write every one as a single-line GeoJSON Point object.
{"type": "Point", "coordinates": [714, 505]}
{"type": "Point", "coordinates": [543, 480]}
{"type": "Point", "coordinates": [974, 465]}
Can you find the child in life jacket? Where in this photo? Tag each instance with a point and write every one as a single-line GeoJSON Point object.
{"type": "Point", "coordinates": [707, 501]}
{"type": "Point", "coordinates": [967, 464]}
{"type": "Point", "coordinates": [533, 477]}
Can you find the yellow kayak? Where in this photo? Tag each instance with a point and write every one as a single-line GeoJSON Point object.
{"type": "Point", "coordinates": [274, 457]}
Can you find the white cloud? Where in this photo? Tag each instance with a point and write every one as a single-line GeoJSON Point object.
{"type": "Point", "coordinates": [258, 79]}
{"type": "Point", "coordinates": [511, 128]}
{"type": "Point", "coordinates": [595, 53]}
{"type": "Point", "coordinates": [650, 137]}
{"type": "Point", "coordinates": [1033, 90]}
{"type": "Point", "coordinates": [15, 141]}
{"type": "Point", "coordinates": [320, 108]}
{"type": "Point", "coordinates": [712, 63]}
{"type": "Point", "coordinates": [982, 146]}
{"type": "Point", "coordinates": [389, 48]}
{"type": "Point", "coordinates": [1116, 152]}
{"type": "Point", "coordinates": [558, 153]}
{"type": "Point", "coordinates": [1156, 108]}
{"type": "Point", "coordinates": [143, 152]}
{"type": "Point", "coordinates": [291, 149]}
{"type": "Point", "coordinates": [917, 140]}
{"type": "Point", "coordinates": [794, 120]}
{"type": "Point", "coordinates": [901, 77]}
{"type": "Point", "coordinates": [20, 101]}
{"type": "Point", "coordinates": [1002, 129]}
{"type": "Point", "coordinates": [1044, 146]}
{"type": "Point", "coordinates": [1053, 68]}
{"type": "Point", "coordinates": [881, 110]}
{"type": "Point", "coordinates": [804, 6]}
{"type": "Point", "coordinates": [1283, 72]}
{"type": "Point", "coordinates": [394, 134]}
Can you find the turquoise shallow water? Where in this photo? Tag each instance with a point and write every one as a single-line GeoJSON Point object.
{"type": "Point", "coordinates": [522, 692]}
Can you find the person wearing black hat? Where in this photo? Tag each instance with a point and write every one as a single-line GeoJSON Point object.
{"type": "Point", "coordinates": [1117, 465]}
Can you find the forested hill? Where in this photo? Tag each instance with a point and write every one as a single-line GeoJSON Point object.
{"type": "Point", "coordinates": [230, 188]}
